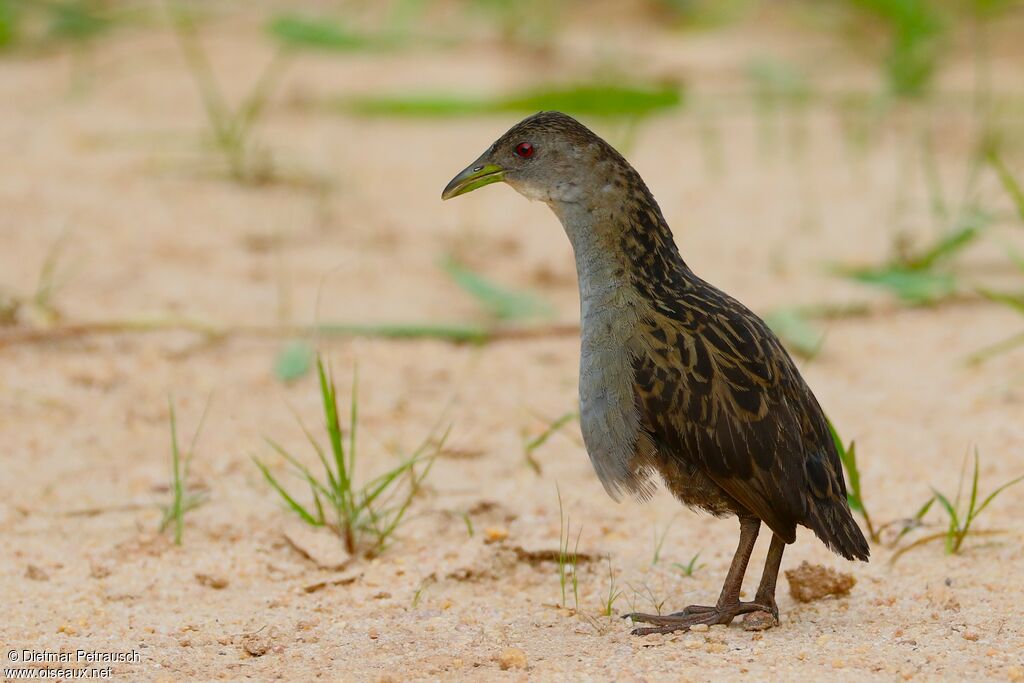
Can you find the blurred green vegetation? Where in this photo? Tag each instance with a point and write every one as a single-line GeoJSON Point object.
{"type": "Point", "coordinates": [299, 31]}
{"type": "Point", "coordinates": [593, 100]}
{"type": "Point", "coordinates": [41, 23]}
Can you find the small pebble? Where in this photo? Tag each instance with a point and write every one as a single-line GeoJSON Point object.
{"type": "Point", "coordinates": [758, 621]}
{"type": "Point", "coordinates": [495, 534]}
{"type": "Point", "coordinates": [697, 628]}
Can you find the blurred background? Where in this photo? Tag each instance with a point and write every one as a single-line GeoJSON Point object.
{"type": "Point", "coordinates": [863, 145]}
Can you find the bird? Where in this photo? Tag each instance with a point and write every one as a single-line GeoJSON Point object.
{"type": "Point", "coordinates": [677, 380]}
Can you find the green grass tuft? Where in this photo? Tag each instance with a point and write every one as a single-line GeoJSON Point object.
{"type": "Point", "coordinates": [923, 277]}
{"type": "Point", "coordinates": [231, 128]}
{"type": "Point", "coordinates": [182, 500]}
{"type": "Point", "coordinates": [659, 540]}
{"type": "Point", "coordinates": [917, 29]}
{"type": "Point", "coordinates": [690, 567]}
{"type": "Point", "coordinates": [366, 516]}
{"type": "Point", "coordinates": [568, 569]}
{"type": "Point", "coordinates": [961, 512]}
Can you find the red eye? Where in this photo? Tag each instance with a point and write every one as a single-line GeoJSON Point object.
{"type": "Point", "coordinates": [524, 150]}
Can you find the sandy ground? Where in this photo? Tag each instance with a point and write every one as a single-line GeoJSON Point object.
{"type": "Point", "coordinates": [85, 455]}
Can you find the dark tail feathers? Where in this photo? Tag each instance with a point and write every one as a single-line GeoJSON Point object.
{"type": "Point", "coordinates": [833, 523]}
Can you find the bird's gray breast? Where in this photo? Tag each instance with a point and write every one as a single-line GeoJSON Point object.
{"type": "Point", "coordinates": [609, 417]}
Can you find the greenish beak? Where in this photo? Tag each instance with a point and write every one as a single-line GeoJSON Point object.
{"type": "Point", "coordinates": [476, 175]}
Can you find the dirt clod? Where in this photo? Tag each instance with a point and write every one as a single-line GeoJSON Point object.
{"type": "Point", "coordinates": [257, 644]}
{"type": "Point", "coordinates": [215, 581]}
{"type": "Point", "coordinates": [810, 582]}
{"type": "Point", "coordinates": [36, 573]}
{"type": "Point", "coordinates": [512, 658]}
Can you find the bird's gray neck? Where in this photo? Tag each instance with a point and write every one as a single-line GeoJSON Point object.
{"type": "Point", "coordinates": [599, 266]}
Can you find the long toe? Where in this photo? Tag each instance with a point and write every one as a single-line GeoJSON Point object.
{"type": "Point", "coordinates": [675, 616]}
{"type": "Point", "coordinates": [700, 614]}
{"type": "Point", "coordinates": [673, 623]}
{"type": "Point", "coordinates": [670, 623]}
{"type": "Point", "coordinates": [695, 609]}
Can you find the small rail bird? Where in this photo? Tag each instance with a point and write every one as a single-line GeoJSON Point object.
{"type": "Point", "coordinates": [677, 378]}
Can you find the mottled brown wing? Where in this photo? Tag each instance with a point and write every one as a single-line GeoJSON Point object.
{"type": "Point", "coordinates": [716, 390]}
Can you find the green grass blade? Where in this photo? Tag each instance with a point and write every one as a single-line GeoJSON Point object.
{"type": "Point", "coordinates": [995, 493]}
{"type": "Point", "coordinates": [378, 485]}
{"type": "Point", "coordinates": [542, 438]}
{"type": "Point", "coordinates": [320, 34]}
{"type": "Point", "coordinates": [914, 287]}
{"type": "Point", "coordinates": [948, 246]}
{"type": "Point", "coordinates": [502, 303]}
{"type": "Point", "coordinates": [974, 492]}
{"type": "Point", "coordinates": [580, 100]}
{"type": "Point", "coordinates": [330, 404]}
{"type": "Point", "coordinates": [848, 457]}
{"type": "Point", "coordinates": [399, 514]}
{"type": "Point", "coordinates": [596, 100]}
{"type": "Point", "coordinates": [950, 509]}
{"type": "Point", "coordinates": [178, 483]}
{"type": "Point", "coordinates": [318, 449]}
{"type": "Point", "coordinates": [1014, 301]}
{"type": "Point", "coordinates": [457, 332]}
{"type": "Point", "coordinates": [302, 469]}
{"type": "Point", "coordinates": [353, 421]}
{"type": "Point", "coordinates": [291, 502]}
{"type": "Point", "coordinates": [195, 436]}
{"type": "Point", "coordinates": [1010, 184]}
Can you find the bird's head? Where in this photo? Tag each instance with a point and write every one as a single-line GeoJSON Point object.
{"type": "Point", "coordinates": [549, 157]}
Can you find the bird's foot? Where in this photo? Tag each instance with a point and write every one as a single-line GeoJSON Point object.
{"type": "Point", "coordinates": [699, 614]}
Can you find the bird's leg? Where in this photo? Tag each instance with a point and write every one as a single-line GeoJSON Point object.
{"type": "Point", "coordinates": [728, 606]}
{"type": "Point", "coordinates": [766, 591]}
{"type": "Point", "coordinates": [768, 616]}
